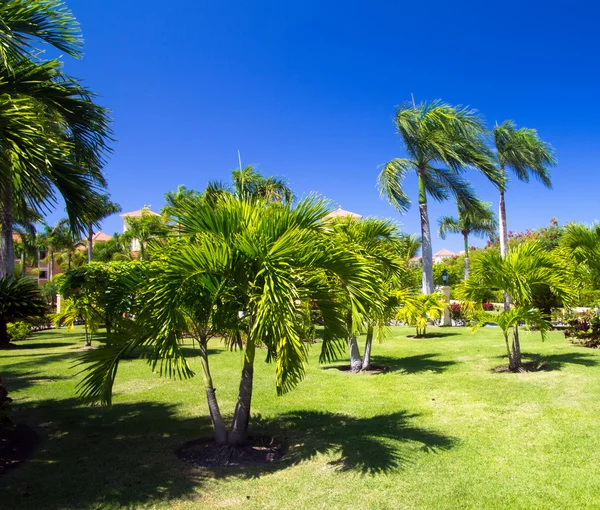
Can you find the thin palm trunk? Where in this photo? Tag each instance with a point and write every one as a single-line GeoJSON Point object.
{"type": "Point", "coordinates": [238, 434]}
{"type": "Point", "coordinates": [503, 232]}
{"type": "Point", "coordinates": [88, 340]}
{"type": "Point", "coordinates": [515, 361]}
{"type": "Point", "coordinates": [90, 239]}
{"type": "Point", "coordinates": [355, 359]}
{"type": "Point", "coordinates": [427, 258]}
{"type": "Point", "coordinates": [466, 237]}
{"type": "Point", "coordinates": [366, 364]}
{"type": "Point", "coordinates": [51, 266]}
{"type": "Point", "coordinates": [7, 253]}
{"type": "Point", "coordinates": [219, 430]}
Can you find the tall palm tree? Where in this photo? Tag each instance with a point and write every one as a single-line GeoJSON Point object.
{"type": "Point", "coordinates": [525, 268]}
{"type": "Point", "coordinates": [53, 137]}
{"type": "Point", "coordinates": [262, 261]}
{"type": "Point", "coordinates": [480, 221]}
{"type": "Point", "coordinates": [103, 209]}
{"type": "Point", "coordinates": [55, 240]}
{"type": "Point", "coordinates": [522, 151]}
{"type": "Point", "coordinates": [442, 141]}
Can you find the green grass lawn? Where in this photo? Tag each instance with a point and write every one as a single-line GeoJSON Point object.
{"type": "Point", "coordinates": [439, 430]}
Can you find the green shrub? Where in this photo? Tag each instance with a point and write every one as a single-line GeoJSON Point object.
{"type": "Point", "coordinates": [5, 401]}
{"type": "Point", "coordinates": [18, 330]}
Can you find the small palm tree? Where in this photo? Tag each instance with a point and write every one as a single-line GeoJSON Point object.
{"type": "Point", "coordinates": [19, 298]}
{"type": "Point", "coordinates": [510, 320]}
{"type": "Point", "coordinates": [442, 141]}
{"type": "Point", "coordinates": [525, 268]}
{"type": "Point", "coordinates": [522, 151]}
{"type": "Point", "coordinates": [478, 221]}
{"type": "Point", "coordinates": [418, 309]}
{"type": "Point", "coordinates": [247, 183]}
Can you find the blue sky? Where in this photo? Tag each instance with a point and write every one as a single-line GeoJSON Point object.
{"type": "Point", "coordinates": [307, 90]}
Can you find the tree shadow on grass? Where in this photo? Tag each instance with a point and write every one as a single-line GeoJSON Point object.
{"type": "Point", "coordinates": [25, 345]}
{"type": "Point", "coordinates": [550, 362]}
{"type": "Point", "coordinates": [98, 457]}
{"type": "Point", "coordinates": [408, 365]}
{"type": "Point", "coordinates": [433, 335]}
{"type": "Point", "coordinates": [376, 444]}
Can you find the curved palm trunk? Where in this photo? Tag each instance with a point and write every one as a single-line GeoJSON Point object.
{"type": "Point", "coordinates": [503, 233]}
{"type": "Point", "coordinates": [7, 250]}
{"type": "Point", "coordinates": [238, 434]}
{"type": "Point", "coordinates": [355, 359]}
{"type": "Point", "coordinates": [427, 258]}
{"type": "Point", "coordinates": [219, 430]}
{"type": "Point", "coordinates": [366, 364]}
{"type": "Point", "coordinates": [90, 239]}
{"type": "Point", "coordinates": [466, 236]}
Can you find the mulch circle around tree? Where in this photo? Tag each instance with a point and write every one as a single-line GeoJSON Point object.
{"type": "Point", "coordinates": [374, 370]}
{"type": "Point", "coordinates": [258, 451]}
{"type": "Point", "coordinates": [530, 366]}
{"type": "Point", "coordinates": [16, 446]}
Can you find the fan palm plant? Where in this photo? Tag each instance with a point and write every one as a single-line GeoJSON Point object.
{"type": "Point", "coordinates": [54, 138]}
{"type": "Point", "coordinates": [19, 298]}
{"type": "Point", "coordinates": [442, 141]}
{"type": "Point", "coordinates": [525, 268]}
{"type": "Point", "coordinates": [478, 221]}
{"type": "Point", "coordinates": [522, 151]}
{"type": "Point", "coordinates": [258, 262]}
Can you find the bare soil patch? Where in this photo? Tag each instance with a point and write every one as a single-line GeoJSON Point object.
{"type": "Point", "coordinates": [258, 451]}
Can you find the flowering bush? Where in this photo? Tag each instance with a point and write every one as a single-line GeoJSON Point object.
{"type": "Point", "coordinates": [585, 329]}
{"type": "Point", "coordinates": [456, 311]}
{"type": "Point", "coordinates": [488, 307]}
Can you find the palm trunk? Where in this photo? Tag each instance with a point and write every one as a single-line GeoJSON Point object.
{"type": "Point", "coordinates": [90, 239]}
{"type": "Point", "coordinates": [466, 262]}
{"type": "Point", "coordinates": [503, 233]}
{"type": "Point", "coordinates": [427, 258]}
{"type": "Point", "coordinates": [515, 360]}
{"type": "Point", "coordinates": [4, 340]}
{"type": "Point", "coordinates": [219, 430]}
{"type": "Point", "coordinates": [7, 250]}
{"type": "Point", "coordinates": [355, 359]}
{"type": "Point", "coordinates": [51, 268]}
{"type": "Point", "coordinates": [366, 364]}
{"type": "Point", "coordinates": [238, 434]}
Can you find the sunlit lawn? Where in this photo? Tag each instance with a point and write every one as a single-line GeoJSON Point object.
{"type": "Point", "coordinates": [440, 429]}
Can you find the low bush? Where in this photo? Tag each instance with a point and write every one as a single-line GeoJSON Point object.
{"type": "Point", "coordinates": [584, 329]}
{"type": "Point", "coordinates": [18, 330]}
{"type": "Point", "coordinates": [488, 307]}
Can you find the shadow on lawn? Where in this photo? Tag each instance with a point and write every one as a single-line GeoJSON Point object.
{"type": "Point", "coordinates": [372, 445]}
{"type": "Point", "coordinates": [25, 345]}
{"type": "Point", "coordinates": [408, 365]}
{"type": "Point", "coordinates": [95, 457]}
{"type": "Point", "coordinates": [549, 362]}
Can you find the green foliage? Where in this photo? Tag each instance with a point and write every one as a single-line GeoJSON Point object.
{"type": "Point", "coordinates": [455, 268]}
{"type": "Point", "coordinates": [418, 309]}
{"type": "Point", "coordinates": [145, 228]}
{"type": "Point", "coordinates": [115, 249]}
{"type": "Point", "coordinates": [18, 331]}
{"type": "Point", "coordinates": [20, 298]}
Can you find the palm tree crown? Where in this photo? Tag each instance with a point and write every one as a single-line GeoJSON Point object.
{"type": "Point", "coordinates": [442, 141]}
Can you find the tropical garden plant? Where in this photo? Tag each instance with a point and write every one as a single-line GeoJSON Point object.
{"type": "Point", "coordinates": [523, 152]}
{"type": "Point", "coordinates": [257, 263]}
{"type": "Point", "coordinates": [442, 142]}
{"type": "Point", "coordinates": [102, 210]}
{"type": "Point", "coordinates": [19, 298]}
{"type": "Point", "coordinates": [419, 309]}
{"type": "Point", "coordinates": [54, 137]}
{"type": "Point", "coordinates": [524, 269]}
{"type": "Point", "coordinates": [478, 221]}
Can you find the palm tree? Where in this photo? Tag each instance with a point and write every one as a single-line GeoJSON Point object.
{"type": "Point", "coordinates": [523, 152]}
{"type": "Point", "coordinates": [55, 240]}
{"type": "Point", "coordinates": [144, 229]}
{"type": "Point", "coordinates": [418, 309]}
{"type": "Point", "coordinates": [103, 209]}
{"type": "Point", "coordinates": [442, 141]}
{"type": "Point", "coordinates": [581, 244]}
{"type": "Point", "coordinates": [480, 221]}
{"type": "Point", "coordinates": [379, 242]}
{"type": "Point", "coordinates": [247, 183]}
{"type": "Point", "coordinates": [54, 138]}
{"type": "Point", "coordinates": [525, 268]}
{"type": "Point", "coordinates": [259, 262]}
{"type": "Point", "coordinates": [19, 298]}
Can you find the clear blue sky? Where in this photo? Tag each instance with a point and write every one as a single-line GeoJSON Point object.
{"type": "Point", "coordinates": [307, 90]}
